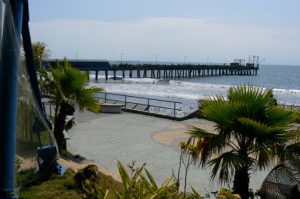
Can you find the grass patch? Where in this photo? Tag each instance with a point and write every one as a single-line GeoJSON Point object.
{"type": "Point", "coordinates": [56, 187]}
{"type": "Point", "coordinates": [59, 187]}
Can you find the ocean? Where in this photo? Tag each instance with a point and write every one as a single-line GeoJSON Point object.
{"type": "Point", "coordinates": [283, 79]}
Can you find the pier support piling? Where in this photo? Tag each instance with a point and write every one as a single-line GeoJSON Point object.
{"type": "Point", "coordinates": [96, 75]}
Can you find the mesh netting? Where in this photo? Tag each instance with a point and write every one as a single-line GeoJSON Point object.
{"type": "Point", "coordinates": [26, 140]}
{"type": "Point", "coordinates": [283, 181]}
{"type": "Point", "coordinates": [33, 133]}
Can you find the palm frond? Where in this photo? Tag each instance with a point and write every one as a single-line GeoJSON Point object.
{"type": "Point", "coordinates": [200, 133]}
{"type": "Point", "coordinates": [280, 116]}
{"type": "Point", "coordinates": [262, 133]}
{"type": "Point", "coordinates": [218, 111]}
{"type": "Point", "coordinates": [286, 152]}
{"type": "Point", "coordinates": [225, 165]}
{"type": "Point", "coordinates": [207, 143]}
{"type": "Point", "coordinates": [263, 155]}
{"type": "Point", "coordinates": [71, 87]}
{"type": "Point", "coordinates": [85, 99]}
{"type": "Point", "coordinates": [250, 94]}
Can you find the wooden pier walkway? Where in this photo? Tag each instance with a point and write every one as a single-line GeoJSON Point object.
{"type": "Point", "coordinates": [160, 71]}
{"type": "Point", "coordinates": [180, 70]}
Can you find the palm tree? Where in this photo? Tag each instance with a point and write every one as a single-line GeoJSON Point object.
{"type": "Point", "coordinates": [67, 86]}
{"type": "Point", "coordinates": [252, 132]}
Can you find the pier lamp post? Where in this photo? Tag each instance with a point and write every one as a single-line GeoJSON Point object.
{"type": "Point", "coordinates": [122, 58]}
{"type": "Point", "coordinates": [184, 58]}
{"type": "Point", "coordinates": [156, 56]}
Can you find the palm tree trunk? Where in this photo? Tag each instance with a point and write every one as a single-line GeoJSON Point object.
{"type": "Point", "coordinates": [59, 126]}
{"type": "Point", "coordinates": [179, 167]}
{"type": "Point", "coordinates": [241, 182]}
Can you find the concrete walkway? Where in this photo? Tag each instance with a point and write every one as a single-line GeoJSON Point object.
{"type": "Point", "coordinates": [106, 138]}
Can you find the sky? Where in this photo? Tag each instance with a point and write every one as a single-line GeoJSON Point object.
{"type": "Point", "coordinates": [169, 30]}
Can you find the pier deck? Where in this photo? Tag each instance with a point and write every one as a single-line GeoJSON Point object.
{"type": "Point", "coordinates": [160, 71]}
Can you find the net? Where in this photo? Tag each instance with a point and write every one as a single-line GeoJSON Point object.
{"type": "Point", "coordinates": [29, 129]}
{"type": "Point", "coordinates": [34, 138]}
{"type": "Point", "coordinates": [283, 181]}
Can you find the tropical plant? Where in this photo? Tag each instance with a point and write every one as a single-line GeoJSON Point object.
{"type": "Point", "coordinates": [252, 132]}
{"type": "Point", "coordinates": [67, 86]}
{"type": "Point", "coordinates": [138, 185]}
{"type": "Point", "coordinates": [141, 184]}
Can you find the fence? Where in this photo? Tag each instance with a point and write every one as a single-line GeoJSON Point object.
{"type": "Point", "coordinates": [149, 103]}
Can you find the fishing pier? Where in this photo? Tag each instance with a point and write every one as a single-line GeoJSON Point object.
{"type": "Point", "coordinates": [161, 71]}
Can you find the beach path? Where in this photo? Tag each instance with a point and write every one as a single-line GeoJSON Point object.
{"type": "Point", "coordinates": [127, 137]}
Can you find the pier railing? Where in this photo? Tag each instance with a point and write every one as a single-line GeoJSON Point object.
{"type": "Point", "coordinates": [146, 104]}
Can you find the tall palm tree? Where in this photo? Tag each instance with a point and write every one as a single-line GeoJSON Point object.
{"type": "Point", "coordinates": [67, 86]}
{"type": "Point", "coordinates": [252, 132]}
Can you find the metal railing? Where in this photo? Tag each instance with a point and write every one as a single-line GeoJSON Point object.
{"type": "Point", "coordinates": [148, 102]}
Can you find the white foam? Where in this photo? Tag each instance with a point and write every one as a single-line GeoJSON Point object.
{"type": "Point", "coordinates": [196, 84]}
{"type": "Point", "coordinates": [141, 80]}
{"type": "Point", "coordinates": [179, 90]}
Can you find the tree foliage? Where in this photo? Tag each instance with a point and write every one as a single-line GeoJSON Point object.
{"type": "Point", "coordinates": [40, 52]}
{"type": "Point", "coordinates": [253, 132]}
{"type": "Point", "coordinates": [67, 87]}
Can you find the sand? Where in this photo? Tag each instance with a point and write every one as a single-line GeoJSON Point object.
{"type": "Point", "coordinates": [176, 133]}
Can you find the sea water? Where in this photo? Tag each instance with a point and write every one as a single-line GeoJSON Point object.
{"type": "Point", "coordinates": [283, 79]}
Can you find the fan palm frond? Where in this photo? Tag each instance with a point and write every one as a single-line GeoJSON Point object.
{"type": "Point", "coordinates": [225, 165]}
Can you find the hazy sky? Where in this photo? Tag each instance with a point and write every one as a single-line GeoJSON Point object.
{"type": "Point", "coordinates": [199, 30]}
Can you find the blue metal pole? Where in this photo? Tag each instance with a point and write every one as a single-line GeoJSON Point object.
{"type": "Point", "coordinates": [30, 64]}
{"type": "Point", "coordinates": [9, 63]}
